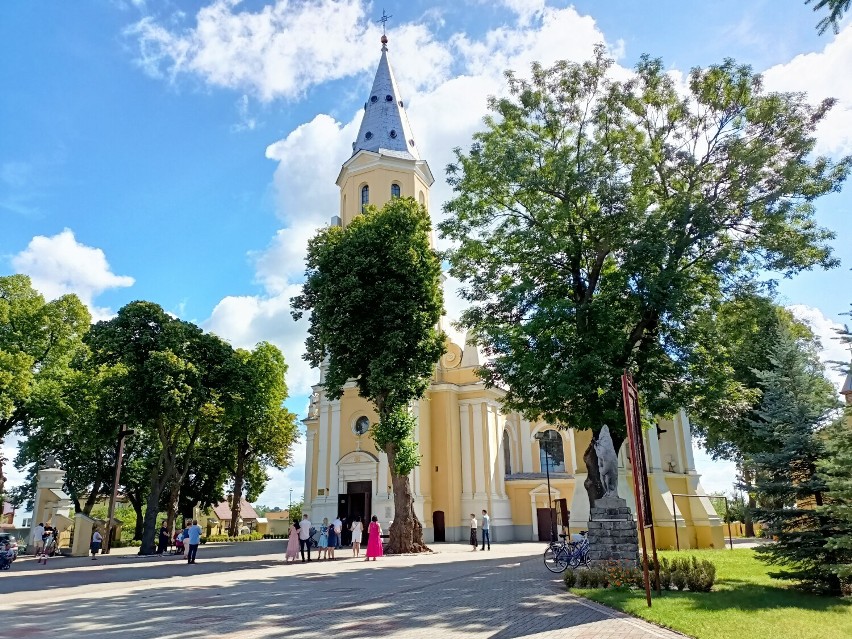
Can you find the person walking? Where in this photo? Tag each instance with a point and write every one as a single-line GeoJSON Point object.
{"type": "Point", "coordinates": [38, 539]}
{"type": "Point", "coordinates": [95, 546]}
{"type": "Point", "coordinates": [323, 540]}
{"type": "Point", "coordinates": [193, 535]}
{"type": "Point", "coordinates": [473, 541]}
{"type": "Point", "coordinates": [293, 543]}
{"type": "Point", "coordinates": [374, 540]}
{"type": "Point", "coordinates": [337, 524]}
{"type": "Point", "coordinates": [163, 541]}
{"type": "Point", "coordinates": [357, 529]}
{"type": "Point", "coordinates": [333, 541]}
{"type": "Point", "coordinates": [305, 537]}
{"type": "Point", "coordinates": [486, 529]}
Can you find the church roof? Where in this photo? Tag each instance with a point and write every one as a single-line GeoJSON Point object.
{"type": "Point", "coordinates": [385, 128]}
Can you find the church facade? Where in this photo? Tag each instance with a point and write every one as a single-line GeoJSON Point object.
{"type": "Point", "coordinates": [475, 455]}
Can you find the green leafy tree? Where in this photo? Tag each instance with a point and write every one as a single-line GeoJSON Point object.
{"type": "Point", "coordinates": [836, 470]}
{"type": "Point", "coordinates": [374, 293]}
{"type": "Point", "coordinates": [296, 510]}
{"type": "Point", "coordinates": [260, 431]}
{"type": "Point", "coordinates": [175, 374]}
{"type": "Point", "coordinates": [38, 341]}
{"type": "Point", "coordinates": [836, 9]}
{"type": "Point", "coordinates": [596, 222]}
{"type": "Point", "coordinates": [798, 403]}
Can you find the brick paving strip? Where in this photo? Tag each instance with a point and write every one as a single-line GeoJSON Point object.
{"type": "Point", "coordinates": [507, 594]}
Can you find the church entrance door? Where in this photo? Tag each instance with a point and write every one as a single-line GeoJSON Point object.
{"type": "Point", "coordinates": [438, 525]}
{"type": "Point", "coordinates": [544, 523]}
{"type": "Point", "coordinates": [360, 498]}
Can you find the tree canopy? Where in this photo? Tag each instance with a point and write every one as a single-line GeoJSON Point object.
{"type": "Point", "coordinates": [374, 293]}
{"type": "Point", "coordinates": [598, 222]}
{"type": "Point", "coordinates": [836, 10]}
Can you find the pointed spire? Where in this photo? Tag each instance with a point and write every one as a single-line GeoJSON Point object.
{"type": "Point", "coordinates": [385, 128]}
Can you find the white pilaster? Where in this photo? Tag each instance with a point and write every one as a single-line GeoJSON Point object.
{"type": "Point", "coordinates": [685, 432]}
{"type": "Point", "coordinates": [572, 452]}
{"type": "Point", "coordinates": [322, 448]}
{"type": "Point", "coordinates": [479, 457]}
{"type": "Point", "coordinates": [334, 477]}
{"type": "Point", "coordinates": [467, 473]}
{"type": "Point", "coordinates": [309, 487]}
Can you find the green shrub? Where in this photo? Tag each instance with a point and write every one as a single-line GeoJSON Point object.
{"type": "Point", "coordinates": [679, 579]}
{"type": "Point", "coordinates": [570, 578]}
{"type": "Point", "coordinates": [701, 576]}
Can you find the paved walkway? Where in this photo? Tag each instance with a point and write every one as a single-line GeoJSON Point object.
{"type": "Point", "coordinates": [246, 591]}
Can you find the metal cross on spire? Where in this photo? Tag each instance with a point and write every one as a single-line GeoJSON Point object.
{"type": "Point", "coordinates": [384, 20]}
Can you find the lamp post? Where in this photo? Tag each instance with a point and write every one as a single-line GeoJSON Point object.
{"type": "Point", "coordinates": [119, 453]}
{"type": "Point", "coordinates": [544, 440]}
{"type": "Point", "coordinates": [291, 503]}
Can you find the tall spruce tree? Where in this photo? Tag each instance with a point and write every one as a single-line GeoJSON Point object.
{"type": "Point", "coordinates": [798, 404]}
{"type": "Point", "coordinates": [836, 470]}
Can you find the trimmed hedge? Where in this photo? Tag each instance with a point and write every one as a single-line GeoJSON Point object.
{"type": "Point", "coordinates": [221, 538]}
{"type": "Point", "coordinates": [698, 575]}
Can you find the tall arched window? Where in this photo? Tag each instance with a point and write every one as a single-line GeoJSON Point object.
{"type": "Point", "coordinates": [394, 191]}
{"type": "Point", "coordinates": [552, 454]}
{"type": "Point", "coordinates": [365, 197]}
{"type": "Point", "coordinates": [507, 453]}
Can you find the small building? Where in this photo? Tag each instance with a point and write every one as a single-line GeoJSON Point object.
{"type": "Point", "coordinates": [222, 515]}
{"type": "Point", "coordinates": [278, 522]}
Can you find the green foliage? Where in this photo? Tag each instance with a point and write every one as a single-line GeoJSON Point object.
{"type": "Point", "coordinates": [221, 538]}
{"type": "Point", "coordinates": [598, 224]}
{"type": "Point", "coordinates": [836, 470]}
{"type": "Point", "coordinates": [696, 574]}
{"type": "Point", "coordinates": [396, 430]}
{"type": "Point", "coordinates": [836, 9]}
{"type": "Point", "coordinates": [798, 403]}
{"type": "Point", "coordinates": [296, 510]}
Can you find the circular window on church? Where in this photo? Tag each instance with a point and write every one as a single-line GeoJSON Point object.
{"type": "Point", "coordinates": [388, 98]}
{"type": "Point", "coordinates": [374, 98]}
{"type": "Point", "coordinates": [411, 143]}
{"type": "Point", "coordinates": [361, 425]}
{"type": "Point", "coordinates": [368, 135]}
{"type": "Point", "coordinates": [393, 133]}
{"type": "Point", "coordinates": [400, 103]}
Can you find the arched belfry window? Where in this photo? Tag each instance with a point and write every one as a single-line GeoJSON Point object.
{"type": "Point", "coordinates": [552, 454]}
{"type": "Point", "coordinates": [507, 453]}
{"type": "Point", "coordinates": [365, 197]}
{"type": "Point", "coordinates": [395, 192]}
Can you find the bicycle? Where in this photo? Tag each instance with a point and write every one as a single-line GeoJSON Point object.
{"type": "Point", "coordinates": [561, 554]}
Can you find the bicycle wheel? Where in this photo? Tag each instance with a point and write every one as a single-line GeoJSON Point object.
{"type": "Point", "coordinates": [555, 559]}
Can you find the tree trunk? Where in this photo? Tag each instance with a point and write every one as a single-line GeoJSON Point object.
{"type": "Point", "coordinates": [149, 533]}
{"type": "Point", "coordinates": [406, 531]}
{"type": "Point", "coordinates": [238, 490]}
{"type": "Point", "coordinates": [136, 502]}
{"type": "Point", "coordinates": [752, 503]}
{"type": "Point", "coordinates": [174, 497]}
{"type": "Point", "coordinates": [92, 499]}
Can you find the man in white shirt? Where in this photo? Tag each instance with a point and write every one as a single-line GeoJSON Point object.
{"type": "Point", "coordinates": [338, 528]}
{"type": "Point", "coordinates": [38, 539]}
{"type": "Point", "coordinates": [486, 529]}
{"type": "Point", "coordinates": [305, 536]}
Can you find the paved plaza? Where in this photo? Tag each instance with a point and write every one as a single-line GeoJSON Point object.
{"type": "Point", "coordinates": [246, 590]}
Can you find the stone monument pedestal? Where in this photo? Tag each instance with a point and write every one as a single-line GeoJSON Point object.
{"type": "Point", "coordinates": [613, 534]}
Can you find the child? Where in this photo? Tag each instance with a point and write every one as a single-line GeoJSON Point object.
{"type": "Point", "coordinates": [473, 541]}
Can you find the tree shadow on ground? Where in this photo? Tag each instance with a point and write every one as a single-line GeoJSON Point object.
{"type": "Point", "coordinates": [504, 598]}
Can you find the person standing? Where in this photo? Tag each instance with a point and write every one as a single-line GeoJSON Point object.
{"type": "Point", "coordinates": [333, 541]}
{"type": "Point", "coordinates": [486, 529]}
{"type": "Point", "coordinates": [473, 541]}
{"type": "Point", "coordinates": [305, 536]}
{"type": "Point", "coordinates": [163, 541]}
{"type": "Point", "coordinates": [374, 541]}
{"type": "Point", "coordinates": [357, 529]}
{"type": "Point", "coordinates": [95, 546]}
{"type": "Point", "coordinates": [38, 539]}
{"type": "Point", "coordinates": [337, 524]}
{"type": "Point", "coordinates": [323, 540]}
{"type": "Point", "coordinates": [292, 543]}
{"type": "Point", "coordinates": [193, 534]}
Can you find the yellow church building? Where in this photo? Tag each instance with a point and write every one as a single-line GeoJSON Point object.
{"type": "Point", "coordinates": [475, 456]}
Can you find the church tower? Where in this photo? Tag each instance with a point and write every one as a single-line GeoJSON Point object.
{"type": "Point", "coordinates": [385, 161]}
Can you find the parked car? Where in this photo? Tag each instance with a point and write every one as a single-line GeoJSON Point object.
{"type": "Point", "coordinates": [13, 542]}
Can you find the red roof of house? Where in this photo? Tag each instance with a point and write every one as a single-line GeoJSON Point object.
{"type": "Point", "coordinates": [223, 510]}
{"type": "Point", "coordinates": [8, 508]}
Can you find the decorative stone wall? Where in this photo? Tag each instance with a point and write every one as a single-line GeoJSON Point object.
{"type": "Point", "coordinates": [612, 533]}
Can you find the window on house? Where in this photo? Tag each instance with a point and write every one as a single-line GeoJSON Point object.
{"type": "Point", "coordinates": [507, 453]}
{"type": "Point", "coordinates": [395, 191]}
{"type": "Point", "coordinates": [365, 197]}
{"type": "Point", "coordinates": [552, 455]}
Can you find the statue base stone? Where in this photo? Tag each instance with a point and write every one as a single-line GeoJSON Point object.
{"type": "Point", "coordinates": [613, 534]}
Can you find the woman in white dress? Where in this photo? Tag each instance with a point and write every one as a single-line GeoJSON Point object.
{"type": "Point", "coordinates": [357, 528]}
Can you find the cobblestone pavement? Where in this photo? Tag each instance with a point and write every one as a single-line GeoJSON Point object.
{"type": "Point", "coordinates": [246, 591]}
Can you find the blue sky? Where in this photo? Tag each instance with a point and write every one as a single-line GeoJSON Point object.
{"type": "Point", "coordinates": [183, 152]}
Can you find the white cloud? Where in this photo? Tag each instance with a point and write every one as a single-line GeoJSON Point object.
{"type": "Point", "coordinates": [823, 74]}
{"type": "Point", "coordinates": [826, 330]}
{"type": "Point", "coordinates": [60, 264]}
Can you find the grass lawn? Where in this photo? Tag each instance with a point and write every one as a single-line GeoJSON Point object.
{"type": "Point", "coordinates": [745, 602]}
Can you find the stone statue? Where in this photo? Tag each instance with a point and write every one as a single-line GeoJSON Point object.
{"type": "Point", "coordinates": [50, 462]}
{"type": "Point", "coordinates": [607, 462]}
